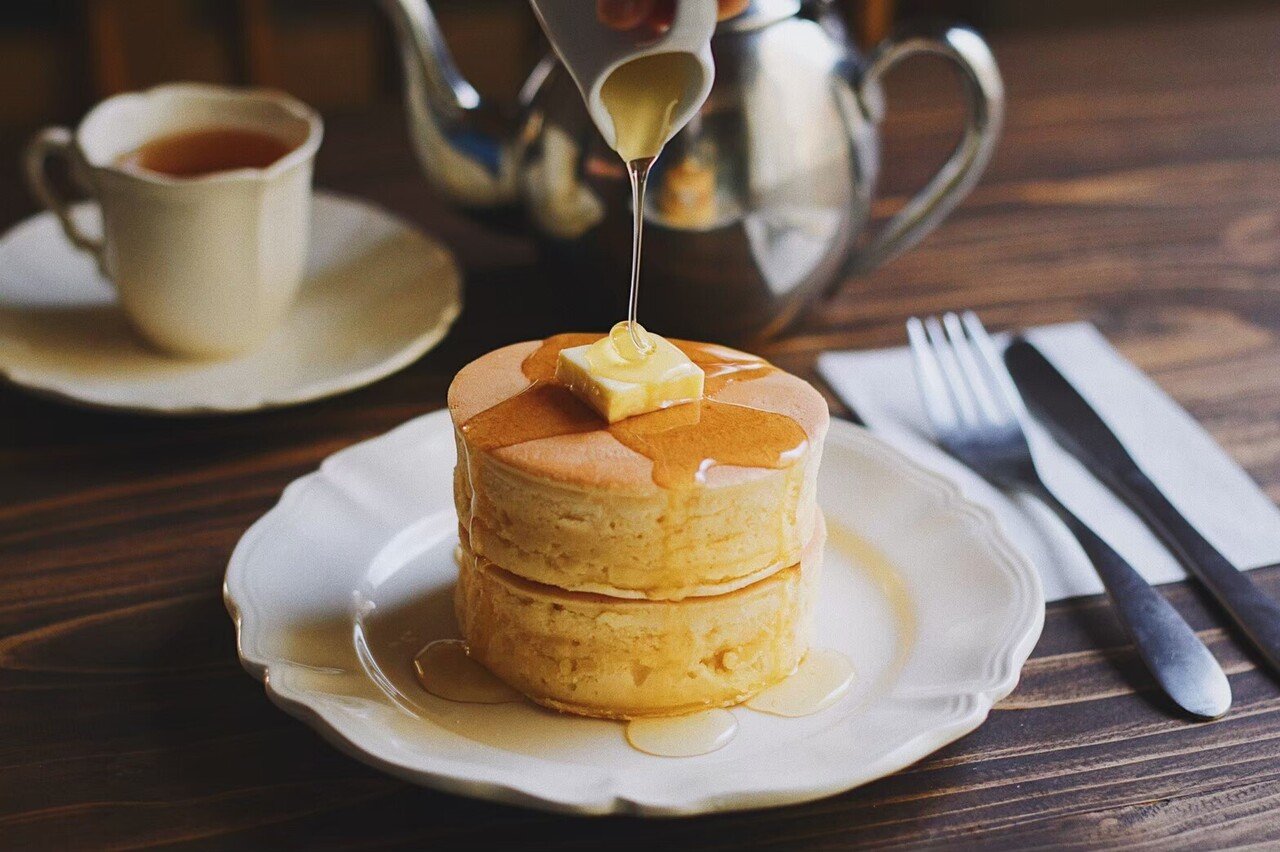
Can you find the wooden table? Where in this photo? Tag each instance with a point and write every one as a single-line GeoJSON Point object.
{"type": "Point", "coordinates": [1138, 186]}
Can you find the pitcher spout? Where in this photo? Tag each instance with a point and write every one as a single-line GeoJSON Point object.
{"type": "Point", "coordinates": [456, 135]}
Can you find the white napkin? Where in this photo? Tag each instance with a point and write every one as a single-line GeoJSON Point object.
{"type": "Point", "coordinates": [1206, 485]}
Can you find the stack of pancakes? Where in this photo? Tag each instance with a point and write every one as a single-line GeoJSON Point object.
{"type": "Point", "coordinates": [595, 585]}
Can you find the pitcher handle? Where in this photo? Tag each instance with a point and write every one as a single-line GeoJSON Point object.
{"type": "Point", "coordinates": [984, 96]}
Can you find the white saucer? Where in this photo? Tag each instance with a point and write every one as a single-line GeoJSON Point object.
{"type": "Point", "coordinates": [336, 588]}
{"type": "Point", "coordinates": [379, 294]}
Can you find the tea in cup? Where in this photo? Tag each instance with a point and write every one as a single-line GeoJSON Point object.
{"type": "Point", "coordinates": [205, 194]}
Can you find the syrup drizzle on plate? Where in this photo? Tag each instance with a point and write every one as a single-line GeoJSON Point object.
{"type": "Point", "coordinates": [823, 676]}
{"type": "Point", "coordinates": [446, 670]}
{"type": "Point", "coordinates": [683, 736]}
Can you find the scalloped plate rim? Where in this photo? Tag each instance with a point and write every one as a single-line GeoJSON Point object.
{"type": "Point", "coordinates": [970, 708]}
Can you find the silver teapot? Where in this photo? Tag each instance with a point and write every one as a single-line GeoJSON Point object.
{"type": "Point", "coordinates": [754, 210]}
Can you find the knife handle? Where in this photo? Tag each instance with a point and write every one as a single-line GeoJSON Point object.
{"type": "Point", "coordinates": [1172, 652]}
{"type": "Point", "coordinates": [1255, 613]}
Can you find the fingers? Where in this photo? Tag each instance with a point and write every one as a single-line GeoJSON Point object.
{"type": "Point", "coordinates": [655, 15]}
{"type": "Point", "coordinates": [624, 14]}
{"type": "Point", "coordinates": [664, 12]}
{"type": "Point", "coordinates": [730, 8]}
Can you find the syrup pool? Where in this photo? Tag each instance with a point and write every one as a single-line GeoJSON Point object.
{"type": "Point", "coordinates": [446, 670]}
{"type": "Point", "coordinates": [823, 677]}
{"type": "Point", "coordinates": [683, 736]}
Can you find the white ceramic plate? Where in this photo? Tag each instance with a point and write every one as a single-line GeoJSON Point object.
{"type": "Point", "coordinates": [336, 588]}
{"type": "Point", "coordinates": [378, 294]}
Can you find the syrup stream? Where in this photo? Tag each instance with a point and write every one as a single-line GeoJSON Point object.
{"type": "Point", "coordinates": [638, 172]}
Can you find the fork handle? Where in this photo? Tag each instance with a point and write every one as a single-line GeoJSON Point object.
{"type": "Point", "coordinates": [1172, 652]}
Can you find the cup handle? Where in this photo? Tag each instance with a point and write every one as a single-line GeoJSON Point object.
{"type": "Point", "coordinates": [58, 142]}
{"type": "Point", "coordinates": [984, 97]}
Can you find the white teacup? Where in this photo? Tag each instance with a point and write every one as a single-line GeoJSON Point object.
{"type": "Point", "coordinates": [208, 265]}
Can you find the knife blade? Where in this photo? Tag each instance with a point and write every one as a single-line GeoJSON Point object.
{"type": "Point", "coordinates": [1084, 434]}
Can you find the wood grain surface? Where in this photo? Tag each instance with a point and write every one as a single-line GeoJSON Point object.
{"type": "Point", "coordinates": [1137, 186]}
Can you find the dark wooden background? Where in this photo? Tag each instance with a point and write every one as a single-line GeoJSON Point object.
{"type": "Point", "coordinates": [1138, 186]}
{"type": "Point", "coordinates": [337, 54]}
{"type": "Point", "coordinates": [331, 53]}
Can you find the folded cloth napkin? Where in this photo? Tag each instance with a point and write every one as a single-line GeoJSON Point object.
{"type": "Point", "coordinates": [1197, 476]}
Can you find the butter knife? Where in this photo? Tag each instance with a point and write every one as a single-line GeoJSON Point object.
{"type": "Point", "coordinates": [1080, 430]}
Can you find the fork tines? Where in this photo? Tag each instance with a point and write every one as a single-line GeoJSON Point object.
{"type": "Point", "coordinates": [963, 382]}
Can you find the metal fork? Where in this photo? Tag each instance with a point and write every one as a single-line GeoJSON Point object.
{"type": "Point", "coordinates": [974, 408]}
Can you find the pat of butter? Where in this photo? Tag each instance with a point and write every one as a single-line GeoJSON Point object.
{"type": "Point", "coordinates": [618, 386]}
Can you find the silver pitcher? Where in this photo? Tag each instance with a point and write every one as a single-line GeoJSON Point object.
{"type": "Point", "coordinates": [754, 210]}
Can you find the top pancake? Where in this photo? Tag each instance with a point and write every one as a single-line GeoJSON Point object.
{"type": "Point", "coordinates": [596, 459]}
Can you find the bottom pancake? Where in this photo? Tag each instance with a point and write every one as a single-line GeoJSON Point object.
{"type": "Point", "coordinates": [621, 658]}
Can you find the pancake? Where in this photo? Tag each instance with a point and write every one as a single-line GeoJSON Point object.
{"type": "Point", "coordinates": [596, 655]}
{"type": "Point", "coordinates": [551, 493]}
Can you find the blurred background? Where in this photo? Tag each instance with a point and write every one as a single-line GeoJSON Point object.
{"type": "Point", "coordinates": [1079, 75]}
{"type": "Point", "coordinates": [61, 56]}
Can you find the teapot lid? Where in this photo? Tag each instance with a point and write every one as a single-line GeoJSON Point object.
{"type": "Point", "coordinates": [760, 13]}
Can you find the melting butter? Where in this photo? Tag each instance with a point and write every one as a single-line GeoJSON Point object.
{"type": "Point", "coordinates": [619, 380]}
{"type": "Point", "coordinates": [683, 736]}
{"type": "Point", "coordinates": [821, 679]}
{"type": "Point", "coordinates": [446, 670]}
{"type": "Point", "coordinates": [641, 97]}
